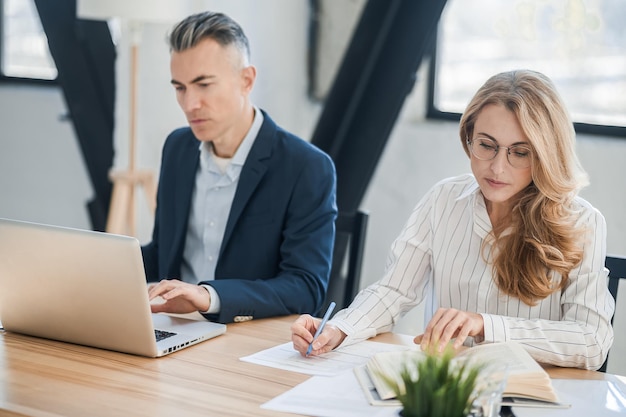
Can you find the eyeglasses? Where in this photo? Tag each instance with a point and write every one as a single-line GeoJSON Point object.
{"type": "Point", "coordinates": [486, 149]}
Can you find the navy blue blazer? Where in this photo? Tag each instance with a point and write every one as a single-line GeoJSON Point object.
{"type": "Point", "coordinates": [275, 256]}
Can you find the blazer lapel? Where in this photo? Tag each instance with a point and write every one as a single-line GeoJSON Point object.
{"type": "Point", "coordinates": [187, 164]}
{"type": "Point", "coordinates": [253, 171]}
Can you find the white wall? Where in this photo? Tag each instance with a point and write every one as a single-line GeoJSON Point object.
{"type": "Point", "coordinates": [42, 174]}
{"type": "Point", "coordinates": [42, 177]}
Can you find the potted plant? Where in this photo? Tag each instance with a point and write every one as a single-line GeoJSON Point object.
{"type": "Point", "coordinates": [436, 386]}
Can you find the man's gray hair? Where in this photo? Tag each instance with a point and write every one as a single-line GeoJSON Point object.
{"type": "Point", "coordinates": [217, 26]}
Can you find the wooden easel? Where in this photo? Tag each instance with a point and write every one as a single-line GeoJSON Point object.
{"type": "Point", "coordinates": [122, 211]}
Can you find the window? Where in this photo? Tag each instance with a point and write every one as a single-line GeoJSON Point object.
{"type": "Point", "coordinates": [24, 46]}
{"type": "Point", "coordinates": [579, 44]}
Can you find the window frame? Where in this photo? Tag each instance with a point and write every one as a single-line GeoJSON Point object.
{"type": "Point", "coordinates": [434, 113]}
{"type": "Point", "coordinates": [10, 79]}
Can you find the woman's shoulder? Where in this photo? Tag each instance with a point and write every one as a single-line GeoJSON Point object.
{"type": "Point", "coordinates": [458, 186]}
{"type": "Point", "coordinates": [456, 181]}
{"type": "Point", "coordinates": [450, 190]}
{"type": "Point", "coordinates": [587, 212]}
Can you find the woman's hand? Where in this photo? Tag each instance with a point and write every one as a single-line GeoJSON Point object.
{"type": "Point", "coordinates": [448, 324]}
{"type": "Point", "coordinates": [303, 329]}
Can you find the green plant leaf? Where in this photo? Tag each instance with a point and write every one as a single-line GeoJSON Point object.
{"type": "Point", "coordinates": [441, 387]}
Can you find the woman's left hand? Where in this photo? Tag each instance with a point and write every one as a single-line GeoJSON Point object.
{"type": "Point", "coordinates": [448, 324]}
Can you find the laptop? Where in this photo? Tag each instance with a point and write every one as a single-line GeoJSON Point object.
{"type": "Point", "coordinates": [87, 288]}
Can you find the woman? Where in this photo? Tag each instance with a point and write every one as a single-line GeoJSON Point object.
{"type": "Point", "coordinates": [510, 253]}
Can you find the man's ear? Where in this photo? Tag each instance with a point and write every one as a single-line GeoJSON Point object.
{"type": "Point", "coordinates": [248, 76]}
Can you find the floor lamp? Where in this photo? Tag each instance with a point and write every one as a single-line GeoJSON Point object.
{"type": "Point", "coordinates": [122, 210]}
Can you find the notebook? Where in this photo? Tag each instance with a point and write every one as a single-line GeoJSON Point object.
{"type": "Point", "coordinates": [87, 288]}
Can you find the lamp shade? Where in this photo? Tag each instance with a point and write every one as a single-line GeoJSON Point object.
{"type": "Point", "coordinates": [133, 10]}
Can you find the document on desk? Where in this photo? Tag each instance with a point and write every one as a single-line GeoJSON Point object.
{"type": "Point", "coordinates": [329, 396]}
{"type": "Point", "coordinates": [342, 396]}
{"type": "Point", "coordinates": [332, 363]}
{"type": "Point", "coordinates": [589, 398]}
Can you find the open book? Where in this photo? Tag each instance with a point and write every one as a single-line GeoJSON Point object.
{"type": "Point", "coordinates": [528, 384]}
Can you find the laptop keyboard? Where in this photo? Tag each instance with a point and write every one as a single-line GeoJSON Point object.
{"type": "Point", "coordinates": [162, 334]}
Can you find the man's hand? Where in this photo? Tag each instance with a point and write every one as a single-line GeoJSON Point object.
{"type": "Point", "coordinates": [180, 297]}
{"type": "Point", "coordinates": [448, 324]}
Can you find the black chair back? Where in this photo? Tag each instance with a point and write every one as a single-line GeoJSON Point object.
{"type": "Point", "coordinates": [617, 271]}
{"type": "Point", "coordinates": [345, 274]}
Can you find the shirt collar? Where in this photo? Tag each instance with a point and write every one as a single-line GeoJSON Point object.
{"type": "Point", "coordinates": [482, 223]}
{"type": "Point", "coordinates": [244, 148]}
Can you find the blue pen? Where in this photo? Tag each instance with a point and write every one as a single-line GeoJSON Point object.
{"type": "Point", "coordinates": [331, 307]}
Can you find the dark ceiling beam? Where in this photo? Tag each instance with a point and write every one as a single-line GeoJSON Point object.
{"type": "Point", "coordinates": [377, 73]}
{"type": "Point", "coordinates": [84, 54]}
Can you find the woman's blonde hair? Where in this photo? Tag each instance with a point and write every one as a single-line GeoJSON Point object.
{"type": "Point", "coordinates": [544, 239]}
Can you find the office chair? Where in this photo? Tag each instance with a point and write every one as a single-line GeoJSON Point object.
{"type": "Point", "coordinates": [617, 271]}
{"type": "Point", "coordinates": [345, 274]}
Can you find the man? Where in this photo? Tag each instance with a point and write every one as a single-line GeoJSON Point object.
{"type": "Point", "coordinates": [244, 226]}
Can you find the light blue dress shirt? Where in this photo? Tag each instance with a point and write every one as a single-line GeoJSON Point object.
{"type": "Point", "coordinates": [216, 183]}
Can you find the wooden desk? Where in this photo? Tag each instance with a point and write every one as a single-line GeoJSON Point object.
{"type": "Point", "coordinates": [46, 378]}
{"type": "Point", "coordinates": [40, 377]}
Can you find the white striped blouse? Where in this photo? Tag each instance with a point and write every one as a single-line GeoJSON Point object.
{"type": "Point", "coordinates": [437, 258]}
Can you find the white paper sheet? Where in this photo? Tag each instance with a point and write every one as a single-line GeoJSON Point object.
{"type": "Point", "coordinates": [329, 396]}
{"type": "Point", "coordinates": [332, 363]}
{"type": "Point", "coordinates": [588, 398]}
